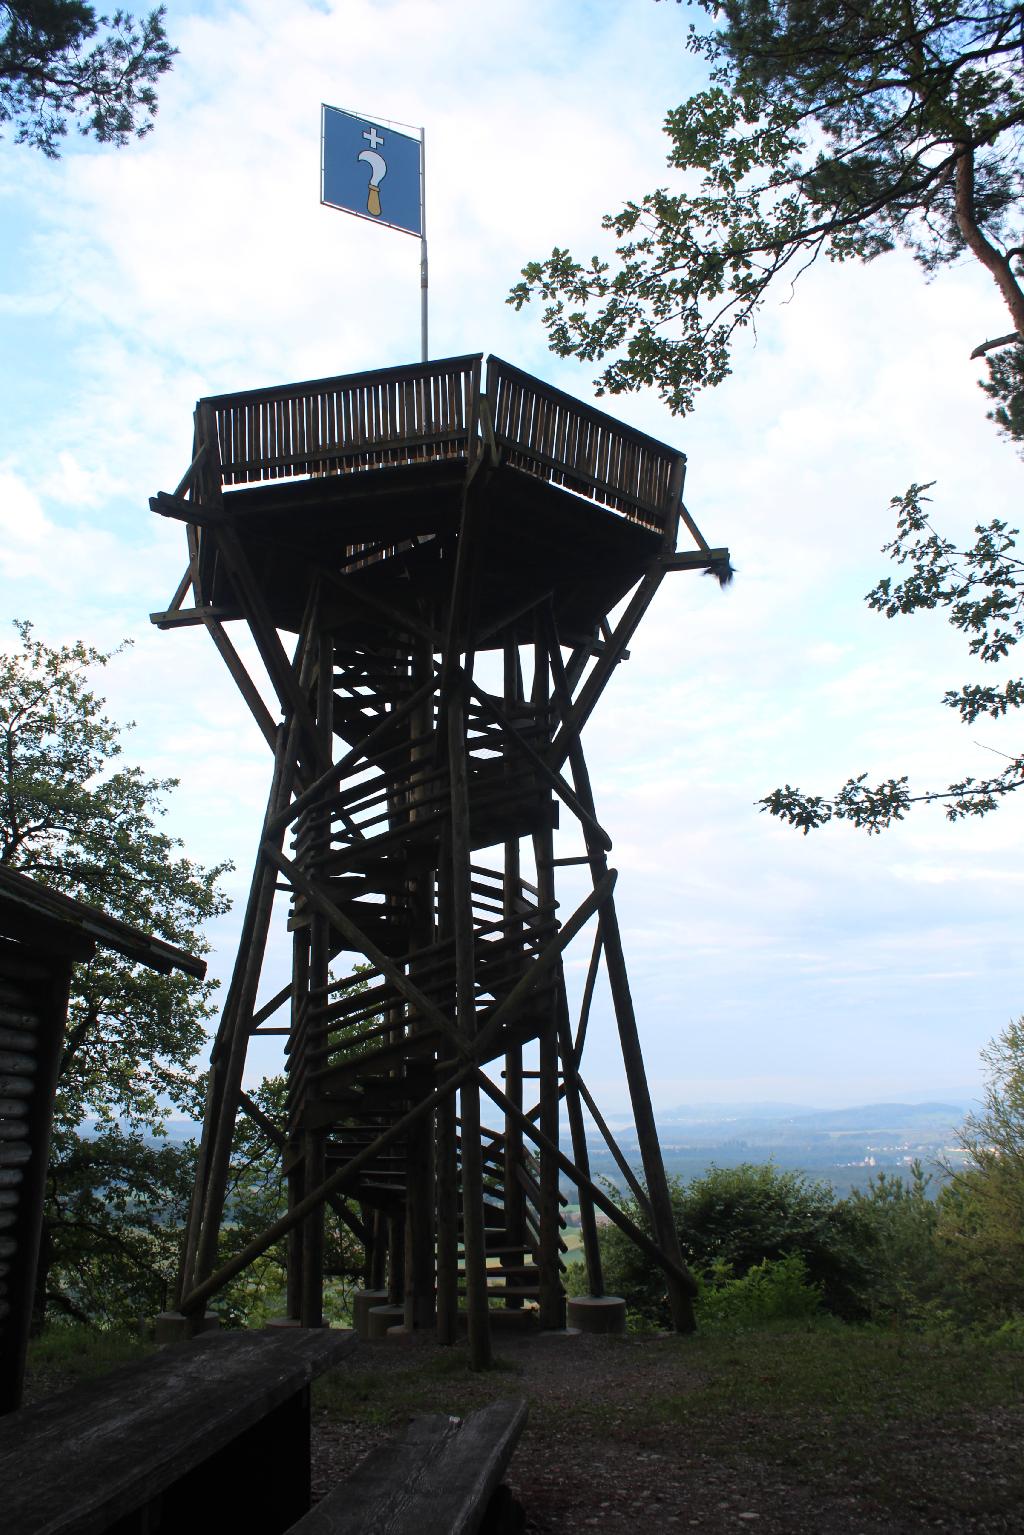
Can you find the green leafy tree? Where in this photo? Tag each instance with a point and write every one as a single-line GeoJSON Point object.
{"type": "Point", "coordinates": [61, 63]}
{"type": "Point", "coordinates": [981, 590]}
{"type": "Point", "coordinates": [732, 1219]}
{"type": "Point", "coordinates": [116, 1201]}
{"type": "Point", "coordinates": [981, 1212]}
{"type": "Point", "coordinates": [903, 1282]}
{"type": "Point", "coordinates": [75, 820]}
{"type": "Point", "coordinates": [827, 129]}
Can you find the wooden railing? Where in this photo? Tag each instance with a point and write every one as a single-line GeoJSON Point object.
{"type": "Point", "coordinates": [431, 412]}
{"type": "Point", "coordinates": [553, 436]}
{"type": "Point", "coordinates": [392, 416]}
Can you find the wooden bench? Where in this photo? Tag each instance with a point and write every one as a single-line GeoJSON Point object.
{"type": "Point", "coordinates": [165, 1443]}
{"type": "Point", "coordinates": [442, 1477]}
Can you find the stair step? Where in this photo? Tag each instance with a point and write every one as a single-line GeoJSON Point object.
{"type": "Point", "coordinates": [526, 1269]}
{"type": "Point", "coordinates": [521, 1292]}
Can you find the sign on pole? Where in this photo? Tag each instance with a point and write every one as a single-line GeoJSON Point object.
{"type": "Point", "coordinates": [375, 171]}
{"type": "Point", "coordinates": [372, 170]}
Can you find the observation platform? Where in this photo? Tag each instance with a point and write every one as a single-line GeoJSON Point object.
{"type": "Point", "coordinates": [370, 477]}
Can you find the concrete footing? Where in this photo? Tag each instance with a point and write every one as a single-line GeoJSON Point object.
{"type": "Point", "coordinates": [175, 1326]}
{"type": "Point", "coordinates": [379, 1319]}
{"type": "Point", "coordinates": [508, 1320]}
{"type": "Point", "coordinates": [597, 1313]}
{"type": "Point", "coordinates": [363, 1302]}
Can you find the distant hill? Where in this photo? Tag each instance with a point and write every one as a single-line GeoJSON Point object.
{"type": "Point", "coordinates": [846, 1147]}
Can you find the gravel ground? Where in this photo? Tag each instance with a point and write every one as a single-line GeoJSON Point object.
{"type": "Point", "coordinates": [592, 1457]}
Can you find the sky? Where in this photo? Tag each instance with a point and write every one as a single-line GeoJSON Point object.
{"type": "Point", "coordinates": [829, 970]}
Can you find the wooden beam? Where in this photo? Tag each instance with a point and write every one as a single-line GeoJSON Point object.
{"type": "Point", "coordinates": [646, 1244]}
{"type": "Point", "coordinates": [248, 689]}
{"type": "Point", "coordinates": [553, 779]}
{"type": "Point", "coordinates": [364, 945]}
{"type": "Point", "coordinates": [696, 559]}
{"type": "Point", "coordinates": [579, 712]}
{"type": "Point", "coordinates": [332, 776]}
{"type": "Point", "coordinates": [195, 1301]}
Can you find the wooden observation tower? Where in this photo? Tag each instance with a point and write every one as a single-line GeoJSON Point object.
{"type": "Point", "coordinates": [447, 545]}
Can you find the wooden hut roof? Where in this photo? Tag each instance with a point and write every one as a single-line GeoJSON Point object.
{"type": "Point", "coordinates": [28, 908]}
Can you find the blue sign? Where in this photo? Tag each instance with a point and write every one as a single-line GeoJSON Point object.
{"type": "Point", "coordinates": [371, 170]}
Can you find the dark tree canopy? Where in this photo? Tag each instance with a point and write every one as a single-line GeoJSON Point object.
{"type": "Point", "coordinates": [73, 818]}
{"type": "Point", "coordinates": [61, 63]}
{"type": "Point", "coordinates": [828, 128]}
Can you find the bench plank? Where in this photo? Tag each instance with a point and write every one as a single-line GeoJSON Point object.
{"type": "Point", "coordinates": [436, 1480]}
{"type": "Point", "coordinates": [78, 1462]}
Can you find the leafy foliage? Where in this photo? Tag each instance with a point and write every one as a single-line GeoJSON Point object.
{"type": "Point", "coordinates": [1005, 385]}
{"type": "Point", "coordinates": [732, 1219]}
{"type": "Point", "coordinates": [52, 72]}
{"type": "Point", "coordinates": [981, 1217]}
{"type": "Point", "coordinates": [981, 589]}
{"type": "Point", "coordinates": [115, 1205]}
{"type": "Point", "coordinates": [774, 1290]}
{"type": "Point", "coordinates": [899, 1220]}
{"type": "Point", "coordinates": [827, 129]}
{"type": "Point", "coordinates": [770, 1246]}
{"type": "Point", "coordinates": [73, 820]}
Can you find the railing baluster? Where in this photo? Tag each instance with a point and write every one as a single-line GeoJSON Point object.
{"type": "Point", "coordinates": [424, 414]}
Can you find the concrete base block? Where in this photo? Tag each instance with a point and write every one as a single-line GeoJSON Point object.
{"type": "Point", "coordinates": [514, 1320]}
{"type": "Point", "coordinates": [282, 1321]}
{"type": "Point", "coordinates": [597, 1313]}
{"type": "Point", "coordinates": [174, 1326]}
{"type": "Point", "coordinates": [362, 1303]}
{"type": "Point", "coordinates": [401, 1334]}
{"type": "Point", "coordinates": [379, 1319]}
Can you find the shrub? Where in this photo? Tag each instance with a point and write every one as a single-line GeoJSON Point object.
{"type": "Point", "coordinates": [775, 1290]}
{"type": "Point", "coordinates": [731, 1220]}
{"type": "Point", "coordinates": [902, 1277]}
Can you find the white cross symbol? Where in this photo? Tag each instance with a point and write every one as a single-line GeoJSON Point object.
{"type": "Point", "coordinates": [374, 137]}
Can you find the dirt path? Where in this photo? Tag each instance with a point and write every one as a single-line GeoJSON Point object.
{"type": "Point", "coordinates": [630, 1435]}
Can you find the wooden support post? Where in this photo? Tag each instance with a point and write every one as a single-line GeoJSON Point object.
{"type": "Point", "coordinates": [580, 1155]}
{"type": "Point", "coordinates": [294, 1158]}
{"type": "Point", "coordinates": [577, 713]}
{"type": "Point", "coordinates": [446, 1148]}
{"type": "Point", "coordinates": [419, 894]}
{"type": "Point", "coordinates": [473, 1237]}
{"type": "Point", "coordinates": [552, 1294]}
{"type": "Point", "coordinates": [229, 1054]}
{"type": "Point", "coordinates": [314, 1138]}
{"type": "Point", "coordinates": [514, 1196]}
{"type": "Point", "coordinates": [680, 1298]}
{"type": "Point", "coordinates": [228, 1059]}
{"type": "Point", "coordinates": [680, 1301]}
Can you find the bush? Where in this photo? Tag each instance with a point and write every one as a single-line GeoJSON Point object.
{"type": "Point", "coordinates": [902, 1278]}
{"type": "Point", "coordinates": [776, 1290]}
{"type": "Point", "coordinates": [730, 1221]}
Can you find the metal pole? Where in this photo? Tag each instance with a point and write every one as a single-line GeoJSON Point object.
{"type": "Point", "coordinates": [423, 245]}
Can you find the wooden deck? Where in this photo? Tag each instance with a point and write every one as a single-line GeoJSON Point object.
{"type": "Point", "coordinates": [435, 412]}
{"type": "Point", "coordinates": [371, 471]}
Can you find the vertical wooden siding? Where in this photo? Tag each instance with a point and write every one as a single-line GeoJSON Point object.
{"type": "Point", "coordinates": [364, 421]}
{"type": "Point", "coordinates": [431, 412]}
{"type": "Point", "coordinates": [555, 437]}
